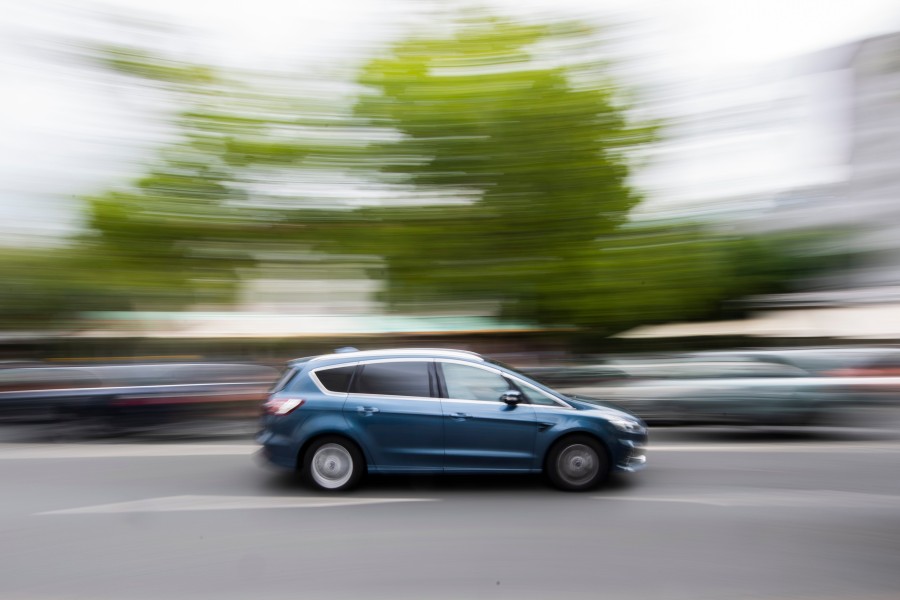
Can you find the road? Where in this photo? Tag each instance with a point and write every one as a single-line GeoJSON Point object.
{"type": "Point", "coordinates": [711, 518]}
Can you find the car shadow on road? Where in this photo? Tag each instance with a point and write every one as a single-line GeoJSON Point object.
{"type": "Point", "coordinates": [446, 484]}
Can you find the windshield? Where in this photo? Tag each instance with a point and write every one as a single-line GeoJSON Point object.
{"type": "Point", "coordinates": [528, 379]}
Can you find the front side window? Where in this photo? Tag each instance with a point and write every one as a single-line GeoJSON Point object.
{"type": "Point", "coordinates": [533, 396]}
{"type": "Point", "coordinates": [394, 379]}
{"type": "Point", "coordinates": [336, 379]}
{"type": "Point", "coordinates": [471, 383]}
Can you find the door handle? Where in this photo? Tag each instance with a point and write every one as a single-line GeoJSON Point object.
{"type": "Point", "coordinates": [459, 416]}
{"type": "Point", "coordinates": [367, 410]}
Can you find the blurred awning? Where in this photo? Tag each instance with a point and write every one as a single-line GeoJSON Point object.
{"type": "Point", "coordinates": [873, 321]}
{"type": "Point", "coordinates": [192, 324]}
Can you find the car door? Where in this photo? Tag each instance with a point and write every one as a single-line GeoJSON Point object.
{"type": "Point", "coordinates": [394, 411]}
{"type": "Point", "coordinates": [481, 432]}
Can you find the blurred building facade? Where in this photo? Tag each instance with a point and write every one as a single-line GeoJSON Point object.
{"type": "Point", "coordinates": [806, 144]}
{"type": "Point", "coordinates": [874, 186]}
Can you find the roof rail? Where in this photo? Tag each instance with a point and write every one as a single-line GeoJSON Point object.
{"type": "Point", "coordinates": [403, 351]}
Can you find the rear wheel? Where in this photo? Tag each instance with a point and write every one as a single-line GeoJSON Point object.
{"type": "Point", "coordinates": [333, 464]}
{"type": "Point", "coordinates": [577, 463]}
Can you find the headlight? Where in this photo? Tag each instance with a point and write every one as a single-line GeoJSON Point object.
{"type": "Point", "coordinates": [627, 425]}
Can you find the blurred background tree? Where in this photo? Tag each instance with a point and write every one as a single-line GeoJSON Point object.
{"type": "Point", "coordinates": [171, 238]}
{"type": "Point", "coordinates": [524, 129]}
{"type": "Point", "coordinates": [224, 194]}
{"type": "Point", "coordinates": [526, 135]}
{"type": "Point", "coordinates": [498, 155]}
{"type": "Point", "coordinates": [47, 287]}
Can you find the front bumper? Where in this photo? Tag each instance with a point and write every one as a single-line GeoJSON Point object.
{"type": "Point", "coordinates": [633, 457]}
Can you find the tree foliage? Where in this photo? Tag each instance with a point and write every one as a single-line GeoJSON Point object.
{"type": "Point", "coordinates": [182, 233]}
{"type": "Point", "coordinates": [509, 148]}
{"type": "Point", "coordinates": [533, 144]}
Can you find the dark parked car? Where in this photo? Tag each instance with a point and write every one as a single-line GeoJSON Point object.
{"type": "Point", "coordinates": [338, 416]}
{"type": "Point", "coordinates": [118, 399]}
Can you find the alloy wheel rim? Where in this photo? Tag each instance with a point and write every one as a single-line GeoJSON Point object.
{"type": "Point", "coordinates": [577, 464]}
{"type": "Point", "coordinates": [332, 466]}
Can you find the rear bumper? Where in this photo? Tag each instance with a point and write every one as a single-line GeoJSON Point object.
{"type": "Point", "coordinates": [277, 450]}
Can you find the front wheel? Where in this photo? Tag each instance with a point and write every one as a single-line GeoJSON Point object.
{"type": "Point", "coordinates": [577, 463]}
{"type": "Point", "coordinates": [333, 464]}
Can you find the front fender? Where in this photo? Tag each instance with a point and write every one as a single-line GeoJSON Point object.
{"type": "Point", "coordinates": [625, 448]}
{"type": "Point", "coordinates": [553, 427]}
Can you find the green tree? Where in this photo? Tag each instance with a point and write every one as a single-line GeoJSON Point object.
{"type": "Point", "coordinates": [48, 287]}
{"type": "Point", "coordinates": [185, 231]}
{"type": "Point", "coordinates": [522, 126]}
{"type": "Point", "coordinates": [513, 142]}
{"type": "Point", "coordinates": [525, 140]}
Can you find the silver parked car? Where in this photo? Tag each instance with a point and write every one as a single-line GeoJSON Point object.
{"type": "Point", "coordinates": [716, 389]}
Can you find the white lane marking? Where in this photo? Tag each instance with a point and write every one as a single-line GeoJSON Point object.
{"type": "Point", "coordinates": [794, 447]}
{"type": "Point", "coordinates": [39, 451]}
{"type": "Point", "coordinates": [59, 451]}
{"type": "Point", "coordinates": [195, 503]}
{"type": "Point", "coordinates": [775, 498]}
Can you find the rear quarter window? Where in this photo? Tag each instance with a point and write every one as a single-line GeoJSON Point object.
{"type": "Point", "coordinates": [285, 379]}
{"type": "Point", "coordinates": [336, 379]}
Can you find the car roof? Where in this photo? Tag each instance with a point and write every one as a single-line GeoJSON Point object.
{"type": "Point", "coordinates": [355, 355]}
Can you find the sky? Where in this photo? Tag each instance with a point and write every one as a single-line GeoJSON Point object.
{"type": "Point", "coordinates": [62, 134]}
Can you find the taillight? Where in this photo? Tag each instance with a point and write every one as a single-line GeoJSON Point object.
{"type": "Point", "coordinates": [281, 406]}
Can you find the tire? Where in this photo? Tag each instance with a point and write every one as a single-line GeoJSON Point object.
{"type": "Point", "coordinates": [333, 464]}
{"type": "Point", "coordinates": [577, 463]}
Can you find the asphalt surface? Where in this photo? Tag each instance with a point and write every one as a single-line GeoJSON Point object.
{"type": "Point", "coordinates": [718, 514]}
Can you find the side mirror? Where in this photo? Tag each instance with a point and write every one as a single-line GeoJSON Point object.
{"type": "Point", "coordinates": [511, 397]}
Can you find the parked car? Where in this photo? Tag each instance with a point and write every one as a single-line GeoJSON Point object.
{"type": "Point", "coordinates": [818, 360]}
{"type": "Point", "coordinates": [125, 398]}
{"type": "Point", "coordinates": [725, 392]}
{"type": "Point", "coordinates": [844, 386]}
{"type": "Point", "coordinates": [336, 417]}
{"type": "Point", "coordinates": [715, 389]}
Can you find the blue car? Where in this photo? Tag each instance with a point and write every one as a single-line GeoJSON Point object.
{"type": "Point", "coordinates": [338, 416]}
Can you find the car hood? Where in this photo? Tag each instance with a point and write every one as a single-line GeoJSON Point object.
{"type": "Point", "coordinates": [609, 408]}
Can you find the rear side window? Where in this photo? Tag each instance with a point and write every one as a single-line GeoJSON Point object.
{"type": "Point", "coordinates": [394, 379]}
{"type": "Point", "coordinates": [336, 379]}
{"type": "Point", "coordinates": [284, 380]}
